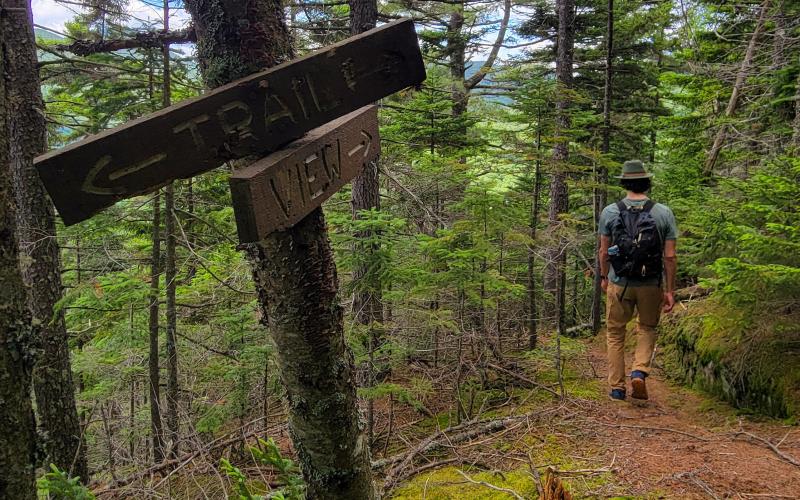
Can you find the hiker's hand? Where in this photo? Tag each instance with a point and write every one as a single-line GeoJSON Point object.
{"type": "Point", "coordinates": [668, 301]}
{"type": "Point", "coordinates": [604, 284]}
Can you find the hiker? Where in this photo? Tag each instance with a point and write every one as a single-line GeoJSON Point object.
{"type": "Point", "coordinates": [637, 270]}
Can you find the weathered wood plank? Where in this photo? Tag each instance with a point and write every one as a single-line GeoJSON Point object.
{"type": "Point", "coordinates": [278, 191]}
{"type": "Point", "coordinates": [252, 116]}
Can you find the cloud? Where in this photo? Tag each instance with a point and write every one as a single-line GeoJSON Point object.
{"type": "Point", "coordinates": [53, 15]}
{"type": "Point", "coordinates": [50, 14]}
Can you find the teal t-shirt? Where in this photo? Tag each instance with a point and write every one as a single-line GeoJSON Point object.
{"type": "Point", "coordinates": [667, 228]}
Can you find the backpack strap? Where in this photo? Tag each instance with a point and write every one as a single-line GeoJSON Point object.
{"type": "Point", "coordinates": [648, 206]}
{"type": "Point", "coordinates": [622, 206]}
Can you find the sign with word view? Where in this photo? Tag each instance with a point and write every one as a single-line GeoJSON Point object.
{"type": "Point", "coordinates": [278, 191]}
{"type": "Point", "coordinates": [256, 115]}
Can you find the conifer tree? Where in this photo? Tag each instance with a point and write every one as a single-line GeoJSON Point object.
{"type": "Point", "coordinates": [295, 279]}
{"type": "Point", "coordinates": [18, 439]}
{"type": "Point", "coordinates": [55, 392]}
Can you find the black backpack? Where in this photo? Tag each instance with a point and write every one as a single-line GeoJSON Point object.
{"type": "Point", "coordinates": [636, 235]}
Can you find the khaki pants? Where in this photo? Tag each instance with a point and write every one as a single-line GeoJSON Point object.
{"type": "Point", "coordinates": [647, 301]}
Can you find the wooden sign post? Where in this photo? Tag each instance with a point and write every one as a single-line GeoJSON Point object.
{"type": "Point", "coordinates": [279, 190]}
{"type": "Point", "coordinates": [256, 115]}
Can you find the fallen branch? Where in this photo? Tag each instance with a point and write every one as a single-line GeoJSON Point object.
{"type": "Point", "coordinates": [692, 477]}
{"type": "Point", "coordinates": [176, 464]}
{"type": "Point", "coordinates": [692, 292]}
{"type": "Point", "coordinates": [788, 458]}
{"type": "Point", "coordinates": [522, 378]}
{"type": "Point", "coordinates": [656, 429]}
{"type": "Point", "coordinates": [465, 432]}
{"type": "Point", "coordinates": [491, 486]}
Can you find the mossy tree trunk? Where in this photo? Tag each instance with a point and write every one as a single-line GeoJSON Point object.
{"type": "Point", "coordinates": [18, 437]}
{"type": "Point", "coordinates": [52, 377]}
{"type": "Point", "coordinates": [295, 276]}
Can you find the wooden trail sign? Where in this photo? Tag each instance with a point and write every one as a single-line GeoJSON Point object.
{"type": "Point", "coordinates": [278, 191]}
{"type": "Point", "coordinates": [253, 116]}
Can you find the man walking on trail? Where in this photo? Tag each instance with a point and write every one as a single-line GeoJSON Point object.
{"type": "Point", "coordinates": [637, 271]}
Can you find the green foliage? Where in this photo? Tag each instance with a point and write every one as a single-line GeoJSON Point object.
{"type": "Point", "coordinates": [58, 484]}
{"type": "Point", "coordinates": [288, 474]}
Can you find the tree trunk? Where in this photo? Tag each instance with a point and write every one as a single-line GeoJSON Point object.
{"type": "Point", "coordinates": [18, 443]}
{"type": "Point", "coordinates": [559, 195]}
{"type": "Point", "coordinates": [600, 193]}
{"type": "Point", "coordinates": [733, 102]}
{"type": "Point", "coordinates": [533, 312]}
{"type": "Point", "coordinates": [456, 48]}
{"type": "Point", "coordinates": [173, 391]}
{"type": "Point", "coordinates": [295, 277]}
{"type": "Point", "coordinates": [52, 376]}
{"type": "Point", "coordinates": [796, 121]}
{"type": "Point", "coordinates": [155, 392]}
{"type": "Point", "coordinates": [365, 195]}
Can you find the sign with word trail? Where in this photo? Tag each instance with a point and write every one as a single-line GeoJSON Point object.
{"type": "Point", "coordinates": [279, 190]}
{"type": "Point", "coordinates": [256, 115]}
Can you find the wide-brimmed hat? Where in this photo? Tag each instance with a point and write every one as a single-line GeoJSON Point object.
{"type": "Point", "coordinates": [634, 169]}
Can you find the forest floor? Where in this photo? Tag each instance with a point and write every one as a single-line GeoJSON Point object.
{"type": "Point", "coordinates": [681, 444]}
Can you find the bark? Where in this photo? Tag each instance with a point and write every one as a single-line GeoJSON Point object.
{"type": "Point", "coordinates": [600, 194]}
{"type": "Point", "coordinates": [173, 391]}
{"type": "Point", "coordinates": [456, 48]}
{"type": "Point", "coordinates": [143, 40]}
{"type": "Point", "coordinates": [156, 433]}
{"type": "Point", "coordinates": [367, 304]}
{"type": "Point", "coordinates": [52, 377]}
{"type": "Point", "coordinates": [365, 195]}
{"type": "Point", "coordinates": [363, 15]}
{"type": "Point", "coordinates": [295, 277]}
{"type": "Point", "coordinates": [18, 439]}
{"type": "Point", "coordinates": [533, 312]}
{"type": "Point", "coordinates": [733, 102]}
{"type": "Point", "coordinates": [796, 121]}
{"type": "Point", "coordinates": [559, 195]}
{"type": "Point", "coordinates": [297, 285]}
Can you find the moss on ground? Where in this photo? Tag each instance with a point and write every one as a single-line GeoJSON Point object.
{"type": "Point", "coordinates": [447, 484]}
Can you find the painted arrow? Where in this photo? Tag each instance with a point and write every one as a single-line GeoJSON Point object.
{"type": "Point", "coordinates": [278, 191]}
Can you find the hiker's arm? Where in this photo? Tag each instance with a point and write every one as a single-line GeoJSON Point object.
{"type": "Point", "coordinates": [670, 270]}
{"type": "Point", "coordinates": [602, 257]}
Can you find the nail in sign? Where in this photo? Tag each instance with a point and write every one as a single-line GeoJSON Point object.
{"type": "Point", "coordinates": [256, 115]}
{"type": "Point", "coordinates": [278, 191]}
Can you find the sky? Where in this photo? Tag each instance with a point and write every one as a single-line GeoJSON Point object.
{"type": "Point", "coordinates": [53, 15]}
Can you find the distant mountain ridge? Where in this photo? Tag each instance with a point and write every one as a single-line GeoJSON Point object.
{"type": "Point", "coordinates": [47, 35]}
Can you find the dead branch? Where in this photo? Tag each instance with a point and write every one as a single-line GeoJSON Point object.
{"type": "Point", "coordinates": [655, 429]}
{"type": "Point", "coordinates": [491, 486]}
{"type": "Point", "coordinates": [788, 458]}
{"type": "Point", "coordinates": [176, 464]}
{"type": "Point", "coordinates": [141, 40]}
{"type": "Point", "coordinates": [465, 432]}
{"type": "Point", "coordinates": [522, 378]}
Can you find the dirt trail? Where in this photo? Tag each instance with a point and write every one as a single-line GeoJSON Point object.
{"type": "Point", "coordinates": [687, 446]}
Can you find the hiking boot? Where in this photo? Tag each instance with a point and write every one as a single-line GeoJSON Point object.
{"type": "Point", "coordinates": [638, 385]}
{"type": "Point", "coordinates": [617, 395]}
